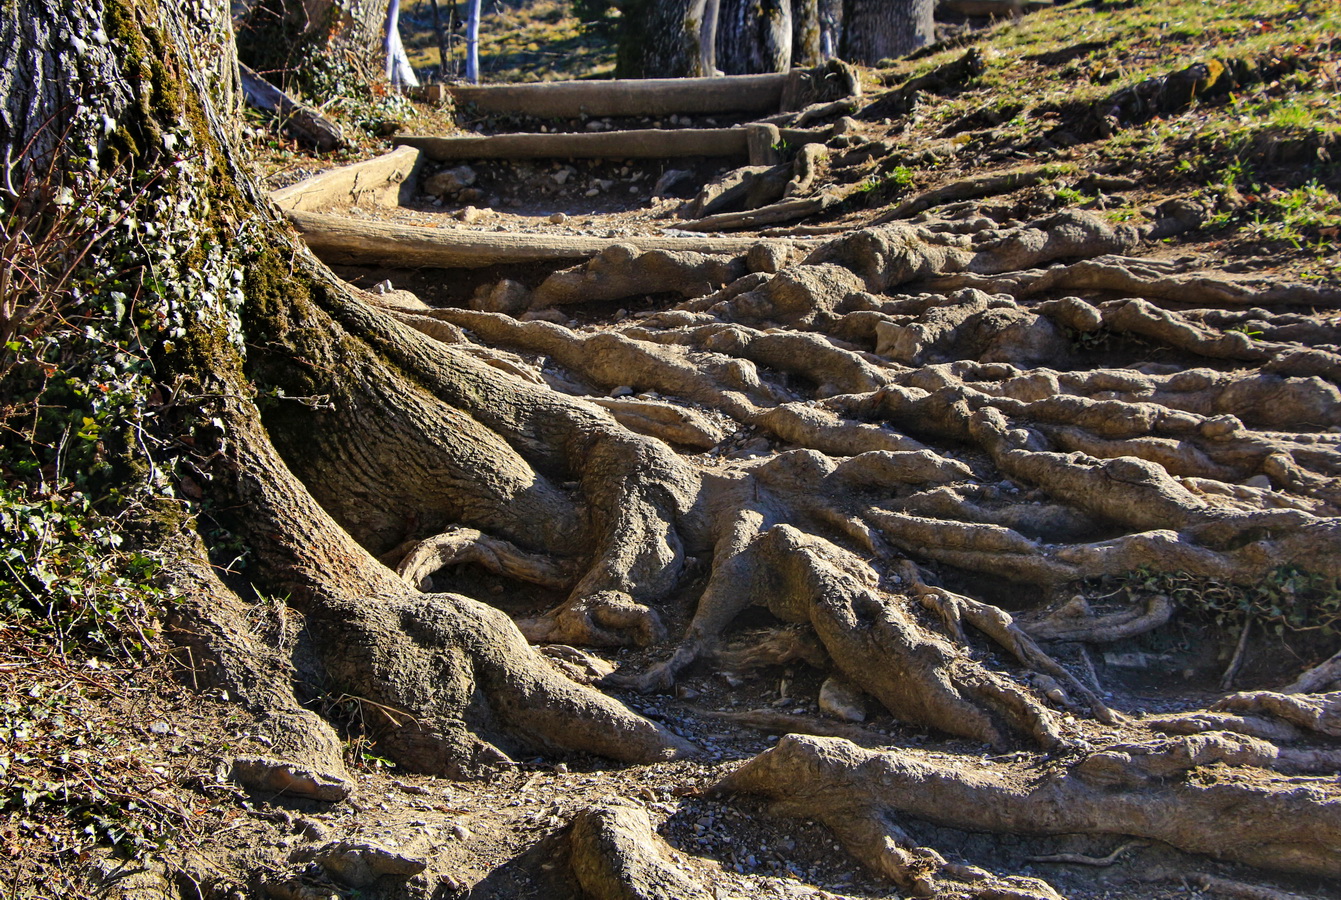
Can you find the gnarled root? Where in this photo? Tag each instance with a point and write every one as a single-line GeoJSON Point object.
{"type": "Point", "coordinates": [879, 646]}
{"type": "Point", "coordinates": [603, 619]}
{"type": "Point", "coordinates": [615, 854]}
{"type": "Point", "coordinates": [1075, 621]}
{"type": "Point", "coordinates": [1290, 825]}
{"type": "Point", "coordinates": [1000, 626]}
{"type": "Point", "coordinates": [466, 545]}
{"type": "Point", "coordinates": [1313, 712]}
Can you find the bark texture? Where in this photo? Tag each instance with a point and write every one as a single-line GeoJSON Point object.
{"type": "Point", "coordinates": [886, 29]}
{"type": "Point", "coordinates": [285, 40]}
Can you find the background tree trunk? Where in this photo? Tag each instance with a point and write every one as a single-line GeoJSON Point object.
{"type": "Point", "coordinates": [283, 39]}
{"type": "Point", "coordinates": [754, 36]}
{"type": "Point", "coordinates": [680, 38]}
{"type": "Point", "coordinates": [806, 30]}
{"type": "Point", "coordinates": [885, 29]}
{"type": "Point", "coordinates": [831, 27]}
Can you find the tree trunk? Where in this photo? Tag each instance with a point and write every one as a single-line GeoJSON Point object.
{"type": "Point", "coordinates": [806, 32]}
{"type": "Point", "coordinates": [693, 38]}
{"type": "Point", "coordinates": [885, 29]}
{"type": "Point", "coordinates": [288, 40]}
{"type": "Point", "coordinates": [665, 39]}
{"type": "Point", "coordinates": [754, 36]}
{"type": "Point", "coordinates": [398, 69]}
{"type": "Point", "coordinates": [392, 440]}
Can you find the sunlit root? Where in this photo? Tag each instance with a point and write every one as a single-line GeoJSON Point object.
{"type": "Point", "coordinates": [622, 270]}
{"type": "Point", "coordinates": [672, 424]}
{"type": "Point", "coordinates": [1311, 712]}
{"type": "Point", "coordinates": [604, 619]}
{"type": "Point", "coordinates": [466, 545]}
{"type": "Point", "coordinates": [1000, 626]}
{"type": "Point", "coordinates": [1324, 675]}
{"type": "Point", "coordinates": [878, 645]}
{"type": "Point", "coordinates": [615, 854]}
{"type": "Point", "coordinates": [1199, 722]}
{"type": "Point", "coordinates": [1152, 279]}
{"type": "Point", "coordinates": [1075, 621]}
{"type": "Point", "coordinates": [1290, 825]}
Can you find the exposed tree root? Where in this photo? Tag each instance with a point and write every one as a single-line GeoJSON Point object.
{"type": "Point", "coordinates": [1289, 825]}
{"type": "Point", "coordinates": [466, 545]}
{"type": "Point", "coordinates": [1151, 279]}
{"type": "Point", "coordinates": [616, 855]}
{"type": "Point", "coordinates": [786, 723]}
{"type": "Point", "coordinates": [305, 757]}
{"type": "Point", "coordinates": [873, 640]}
{"type": "Point", "coordinates": [1312, 712]}
{"type": "Point", "coordinates": [1325, 675]}
{"type": "Point", "coordinates": [1238, 890]}
{"type": "Point", "coordinates": [980, 186]}
{"type": "Point", "coordinates": [1075, 621]}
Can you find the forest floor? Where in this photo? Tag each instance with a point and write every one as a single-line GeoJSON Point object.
{"type": "Point", "coordinates": [116, 768]}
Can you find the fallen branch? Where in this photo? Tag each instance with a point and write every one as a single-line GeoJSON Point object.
{"type": "Point", "coordinates": [301, 121]}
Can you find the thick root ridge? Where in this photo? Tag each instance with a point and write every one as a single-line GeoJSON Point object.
{"type": "Point", "coordinates": [466, 545]}
{"type": "Point", "coordinates": [1177, 792]}
{"type": "Point", "coordinates": [615, 854]}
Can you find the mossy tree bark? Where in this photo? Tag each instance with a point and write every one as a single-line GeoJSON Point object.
{"type": "Point", "coordinates": [454, 679]}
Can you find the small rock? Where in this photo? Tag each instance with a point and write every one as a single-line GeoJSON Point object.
{"type": "Point", "coordinates": [160, 728]}
{"type": "Point", "coordinates": [842, 700]}
{"type": "Point", "coordinates": [591, 192]}
{"type": "Point", "coordinates": [562, 176]}
{"type": "Point", "coordinates": [461, 832]}
{"type": "Point", "coordinates": [383, 287]}
{"type": "Point", "coordinates": [450, 182]}
{"type": "Point", "coordinates": [767, 257]}
{"type": "Point", "coordinates": [1259, 481]}
{"type": "Point", "coordinates": [507, 296]}
{"type": "Point", "coordinates": [558, 218]}
{"type": "Point", "coordinates": [360, 863]}
{"type": "Point", "coordinates": [622, 391]}
{"type": "Point", "coordinates": [470, 195]}
{"type": "Point", "coordinates": [470, 215]}
{"type": "Point", "coordinates": [669, 179]}
{"type": "Point", "coordinates": [595, 125]}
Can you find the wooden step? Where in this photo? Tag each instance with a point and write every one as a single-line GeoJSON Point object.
{"type": "Point", "coordinates": [771, 93]}
{"type": "Point", "coordinates": [646, 143]}
{"type": "Point", "coordinates": [339, 240]}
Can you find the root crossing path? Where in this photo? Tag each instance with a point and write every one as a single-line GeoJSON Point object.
{"type": "Point", "coordinates": [1012, 524]}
